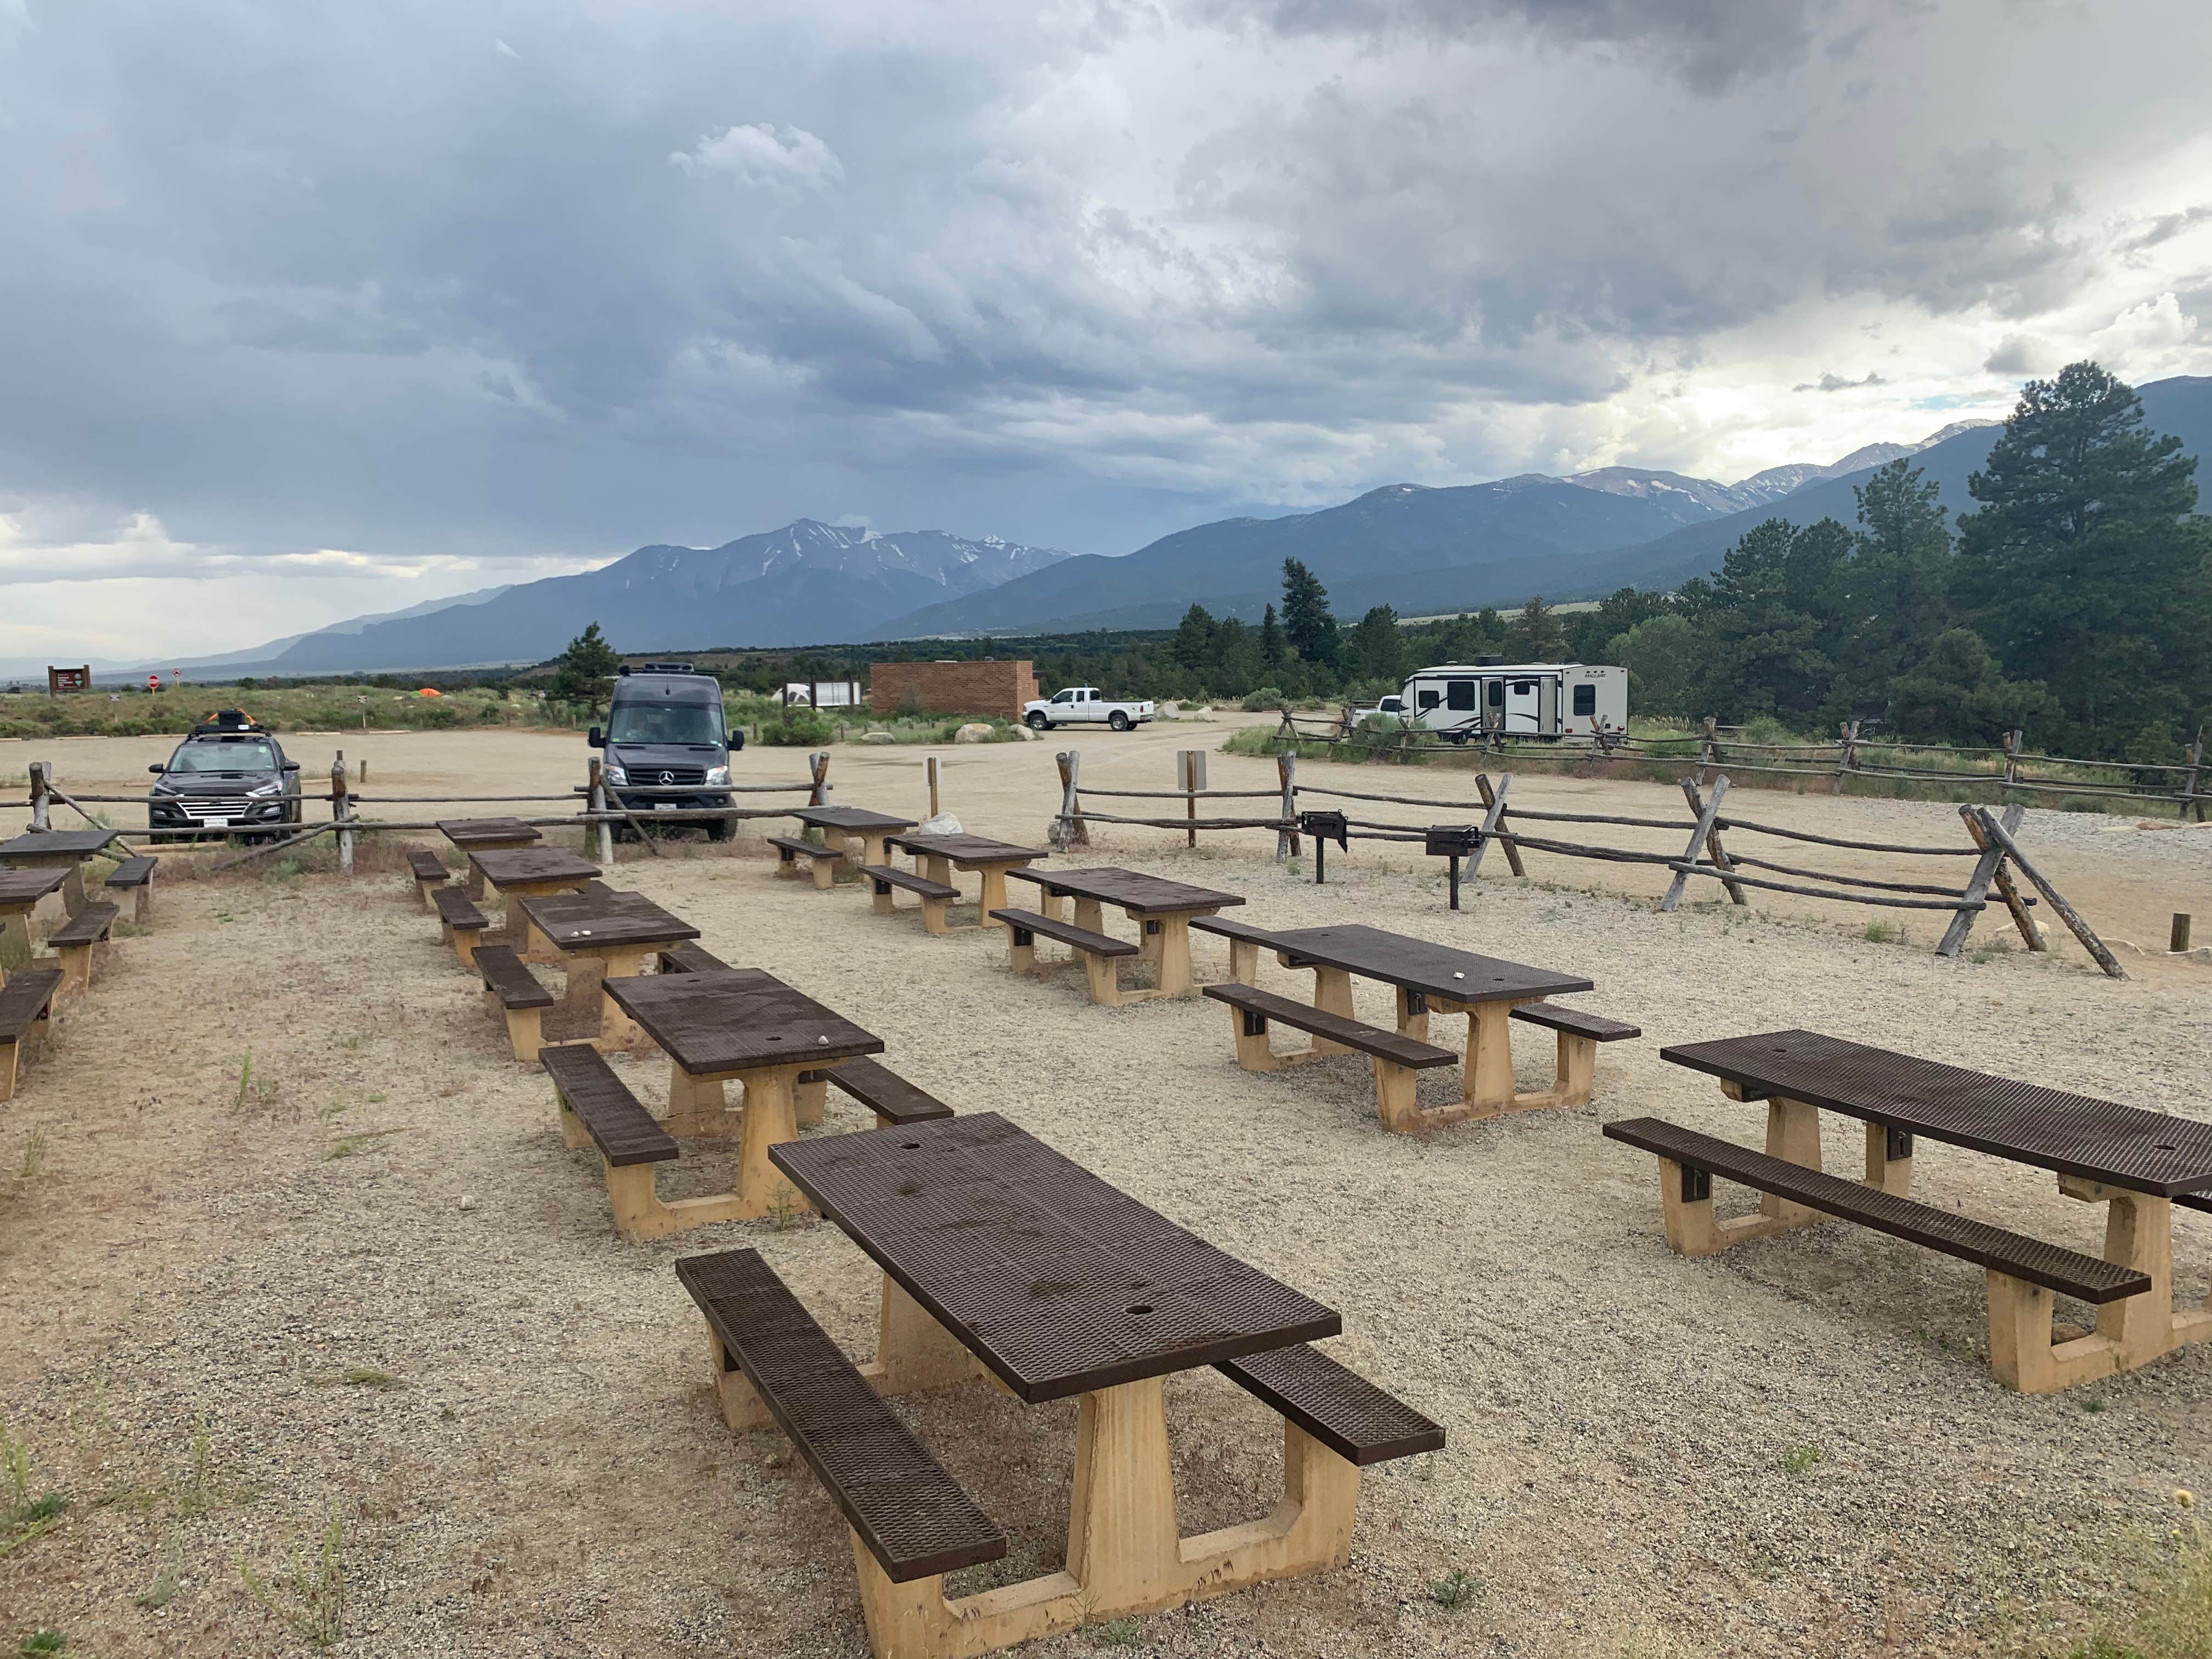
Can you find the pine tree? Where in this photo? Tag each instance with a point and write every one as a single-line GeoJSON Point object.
{"type": "Point", "coordinates": [1538, 634]}
{"type": "Point", "coordinates": [1373, 651]}
{"type": "Point", "coordinates": [2083, 568]}
{"type": "Point", "coordinates": [1273, 649]}
{"type": "Point", "coordinates": [583, 670]}
{"type": "Point", "coordinates": [1892, 595]}
{"type": "Point", "coordinates": [1306, 624]}
{"type": "Point", "coordinates": [1194, 640]}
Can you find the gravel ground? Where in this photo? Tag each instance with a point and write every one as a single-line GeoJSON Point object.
{"type": "Point", "coordinates": [364, 1282]}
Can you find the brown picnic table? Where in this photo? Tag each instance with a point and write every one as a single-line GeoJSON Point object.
{"type": "Point", "coordinates": [1429, 978]}
{"type": "Point", "coordinates": [936, 857]}
{"type": "Point", "coordinates": [21, 893]}
{"type": "Point", "coordinates": [747, 1024]}
{"type": "Point", "coordinates": [65, 850]}
{"type": "Point", "coordinates": [599, 936]}
{"type": "Point", "coordinates": [1000, 1255]}
{"type": "Point", "coordinates": [1162, 908]}
{"type": "Point", "coordinates": [520, 872]}
{"type": "Point", "coordinates": [485, 836]}
{"type": "Point", "coordinates": [2139, 1163]}
{"type": "Point", "coordinates": [854, 825]}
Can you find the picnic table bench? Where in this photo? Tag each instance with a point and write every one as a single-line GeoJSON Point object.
{"type": "Point", "coordinates": [1427, 978]}
{"type": "Point", "coordinates": [2138, 1163]}
{"type": "Point", "coordinates": [76, 939]}
{"type": "Point", "coordinates": [822, 859]}
{"type": "Point", "coordinates": [936, 857]}
{"type": "Point", "coordinates": [1164, 912]}
{"type": "Point", "coordinates": [485, 836]}
{"type": "Point", "coordinates": [936, 896]}
{"type": "Point", "coordinates": [1002, 1259]}
{"type": "Point", "coordinates": [689, 956]}
{"type": "Point", "coordinates": [426, 871]}
{"type": "Point", "coordinates": [601, 936]}
{"type": "Point", "coordinates": [598, 1110]}
{"type": "Point", "coordinates": [511, 988]}
{"type": "Point", "coordinates": [135, 876]}
{"type": "Point", "coordinates": [21, 891]}
{"type": "Point", "coordinates": [64, 850]}
{"type": "Point", "coordinates": [744, 1023]}
{"type": "Point", "coordinates": [885, 1093]}
{"type": "Point", "coordinates": [459, 922]}
{"type": "Point", "coordinates": [27, 1002]}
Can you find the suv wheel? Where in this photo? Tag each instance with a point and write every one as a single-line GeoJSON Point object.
{"type": "Point", "coordinates": [1118, 720]}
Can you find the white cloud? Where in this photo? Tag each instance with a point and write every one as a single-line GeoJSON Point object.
{"type": "Point", "coordinates": [788, 159]}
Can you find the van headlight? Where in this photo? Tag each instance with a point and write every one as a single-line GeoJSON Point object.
{"type": "Point", "coordinates": [717, 774]}
{"type": "Point", "coordinates": [615, 776]}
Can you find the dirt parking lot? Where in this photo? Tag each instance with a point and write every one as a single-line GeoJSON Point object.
{"type": "Point", "coordinates": [291, 1245]}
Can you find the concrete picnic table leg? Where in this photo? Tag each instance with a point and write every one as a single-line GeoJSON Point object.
{"type": "Point", "coordinates": [1122, 1546]}
{"type": "Point", "coordinates": [618, 1030]}
{"type": "Point", "coordinates": [1413, 1015]}
{"type": "Point", "coordinates": [1488, 1080]}
{"type": "Point", "coordinates": [938, 869]}
{"type": "Point", "coordinates": [1175, 978]}
{"type": "Point", "coordinates": [2139, 1234]}
{"type": "Point", "coordinates": [811, 1094]}
{"type": "Point", "coordinates": [771, 1118]}
{"type": "Point", "coordinates": [994, 893]}
{"type": "Point", "coordinates": [873, 850]}
{"type": "Point", "coordinates": [696, 1105]}
{"type": "Point", "coordinates": [1331, 995]}
{"type": "Point", "coordinates": [913, 1350]}
{"type": "Point", "coordinates": [73, 888]}
{"type": "Point", "coordinates": [1051, 904]}
{"type": "Point", "coordinates": [15, 942]}
{"type": "Point", "coordinates": [1089, 914]}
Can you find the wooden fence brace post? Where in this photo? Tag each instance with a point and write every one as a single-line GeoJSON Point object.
{"type": "Point", "coordinates": [2012, 742]}
{"type": "Point", "coordinates": [1493, 822]}
{"type": "Point", "coordinates": [1191, 763]}
{"type": "Point", "coordinates": [1073, 831]}
{"type": "Point", "coordinates": [595, 793]}
{"type": "Point", "coordinates": [2067, 914]}
{"type": "Point", "coordinates": [1709, 755]}
{"type": "Point", "coordinates": [2188, 795]}
{"type": "Point", "coordinates": [1704, 828]}
{"type": "Point", "coordinates": [1849, 760]}
{"type": "Point", "coordinates": [1286, 839]}
{"type": "Point", "coordinates": [820, 763]}
{"type": "Point", "coordinates": [341, 811]}
{"type": "Point", "coordinates": [39, 770]}
{"type": "Point", "coordinates": [2001, 878]}
{"type": "Point", "coordinates": [930, 771]}
{"type": "Point", "coordinates": [1989, 866]}
{"type": "Point", "coordinates": [1714, 853]}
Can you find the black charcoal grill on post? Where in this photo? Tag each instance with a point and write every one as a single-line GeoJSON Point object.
{"type": "Point", "coordinates": [1453, 841]}
{"type": "Point", "coordinates": [1325, 826]}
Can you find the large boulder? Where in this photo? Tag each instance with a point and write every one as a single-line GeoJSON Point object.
{"type": "Point", "coordinates": [973, 732]}
{"type": "Point", "coordinates": [878, 738]}
{"type": "Point", "coordinates": [943, 825]}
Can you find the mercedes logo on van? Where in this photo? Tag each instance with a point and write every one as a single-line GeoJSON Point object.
{"type": "Point", "coordinates": [668, 777]}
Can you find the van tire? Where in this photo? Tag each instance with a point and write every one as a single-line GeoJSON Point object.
{"type": "Point", "coordinates": [721, 829]}
{"type": "Point", "coordinates": [1118, 720]}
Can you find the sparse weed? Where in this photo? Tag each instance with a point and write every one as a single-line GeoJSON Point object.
{"type": "Point", "coordinates": [1456, 1589]}
{"type": "Point", "coordinates": [35, 1157]}
{"type": "Point", "coordinates": [1800, 1460]}
{"type": "Point", "coordinates": [2093, 1402]}
{"type": "Point", "coordinates": [1883, 933]}
{"type": "Point", "coordinates": [23, 1516]}
{"type": "Point", "coordinates": [43, 1642]}
{"type": "Point", "coordinates": [359, 1377]}
{"type": "Point", "coordinates": [310, 1597]}
{"type": "Point", "coordinates": [1117, 1633]}
{"type": "Point", "coordinates": [347, 1145]}
{"type": "Point", "coordinates": [200, 1493]}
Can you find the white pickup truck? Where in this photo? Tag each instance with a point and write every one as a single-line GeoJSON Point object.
{"type": "Point", "coordinates": [1082, 705]}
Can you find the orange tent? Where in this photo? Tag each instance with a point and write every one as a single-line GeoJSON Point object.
{"type": "Point", "coordinates": [430, 691]}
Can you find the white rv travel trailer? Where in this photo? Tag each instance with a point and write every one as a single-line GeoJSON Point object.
{"type": "Point", "coordinates": [1533, 700]}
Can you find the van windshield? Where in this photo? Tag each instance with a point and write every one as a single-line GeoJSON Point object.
{"type": "Point", "coordinates": [665, 721]}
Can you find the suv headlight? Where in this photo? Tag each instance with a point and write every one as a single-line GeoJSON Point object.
{"type": "Point", "coordinates": [615, 775]}
{"type": "Point", "coordinates": [717, 774]}
{"type": "Point", "coordinates": [274, 787]}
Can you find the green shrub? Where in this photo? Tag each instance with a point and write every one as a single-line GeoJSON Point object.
{"type": "Point", "coordinates": [1267, 696]}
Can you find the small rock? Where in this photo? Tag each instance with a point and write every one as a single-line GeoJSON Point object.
{"type": "Point", "coordinates": [943, 825]}
{"type": "Point", "coordinates": [1023, 734]}
{"type": "Point", "coordinates": [468, 1201]}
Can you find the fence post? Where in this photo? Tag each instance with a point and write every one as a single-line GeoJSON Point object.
{"type": "Point", "coordinates": [2012, 741]}
{"type": "Point", "coordinates": [1493, 822]}
{"type": "Point", "coordinates": [1073, 831]}
{"type": "Point", "coordinates": [595, 798]}
{"type": "Point", "coordinates": [2188, 795]}
{"type": "Point", "coordinates": [1703, 828]}
{"type": "Point", "coordinates": [1709, 753]}
{"type": "Point", "coordinates": [1713, 848]}
{"type": "Point", "coordinates": [2067, 914]}
{"type": "Point", "coordinates": [1849, 760]}
{"type": "Point", "coordinates": [38, 785]}
{"type": "Point", "coordinates": [820, 763]}
{"type": "Point", "coordinates": [342, 813]}
{"type": "Point", "coordinates": [1191, 764]}
{"type": "Point", "coordinates": [1286, 839]}
{"type": "Point", "coordinates": [1987, 868]}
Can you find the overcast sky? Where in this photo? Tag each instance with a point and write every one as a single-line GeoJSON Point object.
{"type": "Point", "coordinates": [313, 308]}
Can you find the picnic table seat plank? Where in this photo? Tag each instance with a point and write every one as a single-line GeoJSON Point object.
{"type": "Point", "coordinates": [935, 895]}
{"type": "Point", "coordinates": [690, 958]}
{"type": "Point", "coordinates": [2023, 1272]}
{"type": "Point", "coordinates": [426, 871]}
{"type": "Point", "coordinates": [1578, 1022]}
{"type": "Point", "coordinates": [75, 939]}
{"type": "Point", "coordinates": [26, 1010]}
{"type": "Point", "coordinates": [885, 1093]}
{"type": "Point", "coordinates": [459, 920]}
{"type": "Point", "coordinates": [1395, 1057]}
{"type": "Point", "coordinates": [822, 859]}
{"type": "Point", "coordinates": [135, 876]}
{"type": "Point", "coordinates": [1101, 953]}
{"type": "Point", "coordinates": [514, 989]}
{"type": "Point", "coordinates": [911, 1516]}
{"type": "Point", "coordinates": [1360, 1423]}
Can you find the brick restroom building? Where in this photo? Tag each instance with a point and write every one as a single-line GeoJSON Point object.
{"type": "Point", "coordinates": [993, 686]}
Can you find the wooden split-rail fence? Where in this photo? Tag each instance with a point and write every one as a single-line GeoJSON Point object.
{"type": "Point", "coordinates": [1998, 864]}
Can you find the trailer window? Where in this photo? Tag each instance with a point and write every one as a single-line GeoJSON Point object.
{"type": "Point", "coordinates": [1460, 694]}
{"type": "Point", "coordinates": [1497, 694]}
{"type": "Point", "coordinates": [1585, 700]}
{"type": "Point", "coordinates": [1429, 698]}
